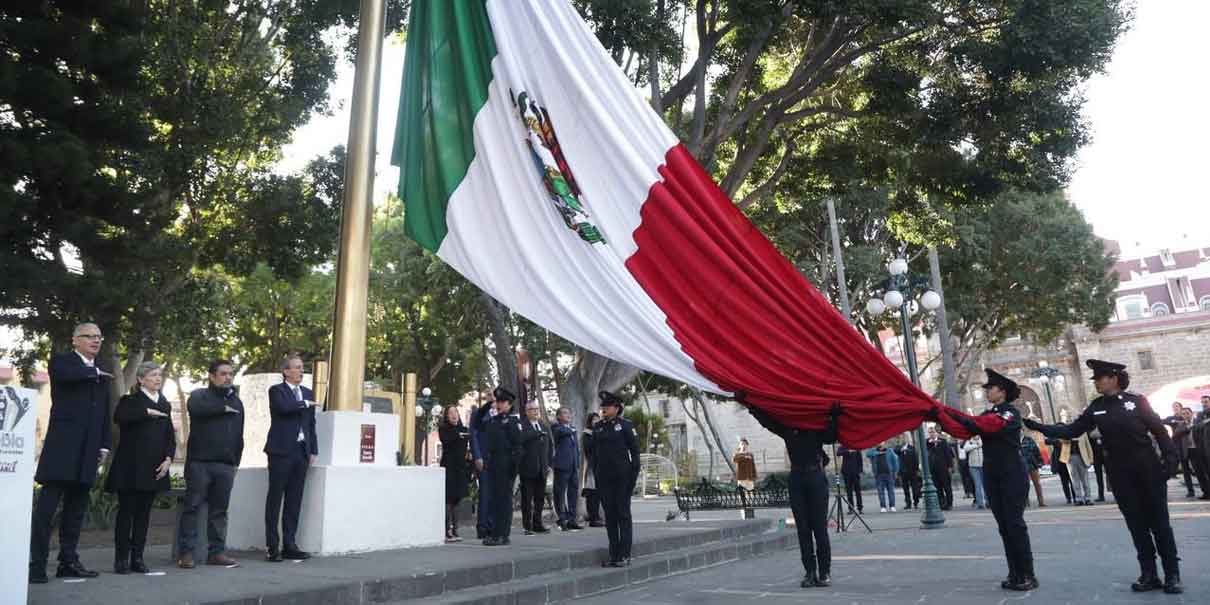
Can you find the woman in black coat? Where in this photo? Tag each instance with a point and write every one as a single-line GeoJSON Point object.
{"type": "Point", "coordinates": [146, 445]}
{"type": "Point", "coordinates": [455, 457]}
{"type": "Point", "coordinates": [592, 502]}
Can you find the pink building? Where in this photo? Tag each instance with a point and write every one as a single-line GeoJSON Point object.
{"type": "Point", "coordinates": [1160, 283]}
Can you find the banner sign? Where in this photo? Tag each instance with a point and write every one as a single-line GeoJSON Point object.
{"type": "Point", "coordinates": [367, 443]}
{"type": "Point", "coordinates": [18, 413]}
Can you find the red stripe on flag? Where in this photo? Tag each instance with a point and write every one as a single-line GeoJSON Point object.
{"type": "Point", "coordinates": [752, 322]}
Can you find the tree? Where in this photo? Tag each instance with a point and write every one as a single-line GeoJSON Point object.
{"type": "Point", "coordinates": [137, 138]}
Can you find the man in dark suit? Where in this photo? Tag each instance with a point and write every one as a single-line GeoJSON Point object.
{"type": "Point", "coordinates": [535, 462]}
{"type": "Point", "coordinates": [77, 442]}
{"type": "Point", "coordinates": [566, 464]}
{"type": "Point", "coordinates": [292, 449]}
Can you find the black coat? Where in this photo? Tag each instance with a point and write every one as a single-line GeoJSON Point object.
{"type": "Point", "coordinates": [615, 446]}
{"type": "Point", "coordinates": [909, 461]}
{"type": "Point", "coordinates": [215, 435]}
{"type": "Point", "coordinates": [79, 422]}
{"type": "Point", "coordinates": [536, 446]}
{"type": "Point", "coordinates": [501, 444]}
{"type": "Point", "coordinates": [287, 416]}
{"type": "Point", "coordinates": [851, 464]}
{"type": "Point", "coordinates": [454, 441]}
{"type": "Point", "coordinates": [144, 441]}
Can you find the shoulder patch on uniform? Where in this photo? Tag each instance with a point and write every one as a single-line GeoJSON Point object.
{"type": "Point", "coordinates": [617, 427]}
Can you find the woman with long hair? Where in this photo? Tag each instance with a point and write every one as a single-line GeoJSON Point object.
{"type": "Point", "coordinates": [455, 457]}
{"type": "Point", "coordinates": [140, 465]}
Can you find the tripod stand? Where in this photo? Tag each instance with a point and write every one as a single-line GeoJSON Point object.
{"type": "Point", "coordinates": [839, 500]}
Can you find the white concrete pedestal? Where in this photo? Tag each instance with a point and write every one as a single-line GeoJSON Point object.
{"type": "Point", "coordinates": [349, 505]}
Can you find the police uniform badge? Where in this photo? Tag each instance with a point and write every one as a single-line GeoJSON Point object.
{"type": "Point", "coordinates": [617, 427]}
{"type": "Point", "coordinates": [1006, 414]}
{"type": "Point", "coordinates": [1129, 406]}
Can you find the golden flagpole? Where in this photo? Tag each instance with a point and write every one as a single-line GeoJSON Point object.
{"type": "Point", "coordinates": [347, 374]}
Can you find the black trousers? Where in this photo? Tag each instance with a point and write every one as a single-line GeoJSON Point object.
{"type": "Point", "coordinates": [208, 482]}
{"type": "Point", "coordinates": [130, 526]}
{"type": "Point", "coordinates": [809, 503]}
{"type": "Point", "coordinates": [852, 491]}
{"type": "Point", "coordinates": [75, 503]}
{"type": "Point", "coordinates": [945, 488]}
{"type": "Point", "coordinates": [912, 486]}
{"type": "Point", "coordinates": [1142, 495]}
{"type": "Point", "coordinates": [287, 477]}
{"type": "Point", "coordinates": [968, 482]}
{"type": "Point", "coordinates": [567, 495]}
{"type": "Point", "coordinates": [1007, 492]}
{"type": "Point", "coordinates": [592, 502]}
{"type": "Point", "coordinates": [533, 493]}
{"type": "Point", "coordinates": [1065, 477]}
{"type": "Point", "coordinates": [1197, 461]}
{"type": "Point", "coordinates": [501, 502]}
{"type": "Point", "coordinates": [1098, 469]}
{"type": "Point", "coordinates": [615, 497]}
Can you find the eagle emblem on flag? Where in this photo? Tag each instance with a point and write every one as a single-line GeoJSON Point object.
{"type": "Point", "coordinates": [547, 154]}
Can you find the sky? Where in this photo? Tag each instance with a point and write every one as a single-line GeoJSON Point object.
{"type": "Point", "coordinates": [1143, 178]}
{"type": "Point", "coordinates": [1139, 182]}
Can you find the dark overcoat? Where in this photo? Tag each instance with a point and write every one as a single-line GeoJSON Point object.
{"type": "Point", "coordinates": [79, 422]}
{"type": "Point", "coordinates": [144, 441]}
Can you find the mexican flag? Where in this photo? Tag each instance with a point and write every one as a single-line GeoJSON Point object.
{"type": "Point", "coordinates": [532, 166]}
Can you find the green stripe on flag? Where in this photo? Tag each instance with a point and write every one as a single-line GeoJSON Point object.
{"type": "Point", "coordinates": [447, 69]}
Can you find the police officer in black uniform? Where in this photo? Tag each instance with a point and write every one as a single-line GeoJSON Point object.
{"type": "Point", "coordinates": [1128, 424]}
{"type": "Point", "coordinates": [616, 468]}
{"type": "Point", "coordinates": [1005, 478]}
{"type": "Point", "coordinates": [808, 491]}
{"type": "Point", "coordinates": [502, 436]}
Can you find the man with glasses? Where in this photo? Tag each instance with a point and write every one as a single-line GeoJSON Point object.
{"type": "Point", "coordinates": [77, 442]}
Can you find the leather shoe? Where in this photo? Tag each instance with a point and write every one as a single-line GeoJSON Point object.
{"type": "Point", "coordinates": [37, 575]}
{"type": "Point", "coordinates": [273, 555]}
{"type": "Point", "coordinates": [293, 553]}
{"type": "Point", "coordinates": [185, 562]}
{"type": "Point", "coordinates": [540, 529]}
{"type": "Point", "coordinates": [825, 580]}
{"type": "Point", "coordinates": [137, 565]}
{"type": "Point", "coordinates": [596, 524]}
{"type": "Point", "coordinates": [1147, 582]}
{"type": "Point", "coordinates": [1023, 584]}
{"type": "Point", "coordinates": [491, 541]}
{"type": "Point", "coordinates": [1172, 584]}
{"type": "Point", "coordinates": [75, 569]}
{"type": "Point", "coordinates": [573, 526]}
{"type": "Point", "coordinates": [121, 566]}
{"type": "Point", "coordinates": [222, 560]}
{"type": "Point", "coordinates": [809, 581]}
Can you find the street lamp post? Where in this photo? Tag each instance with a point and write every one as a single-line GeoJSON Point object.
{"type": "Point", "coordinates": [901, 288]}
{"type": "Point", "coordinates": [427, 407]}
{"type": "Point", "coordinates": [1047, 375]}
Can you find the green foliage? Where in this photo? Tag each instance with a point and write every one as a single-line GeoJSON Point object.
{"type": "Point", "coordinates": [648, 424]}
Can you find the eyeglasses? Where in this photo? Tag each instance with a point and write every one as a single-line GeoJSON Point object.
{"type": "Point", "coordinates": [96, 337]}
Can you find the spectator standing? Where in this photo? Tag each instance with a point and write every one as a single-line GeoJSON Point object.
{"type": "Point", "coordinates": [974, 459]}
{"type": "Point", "coordinates": [455, 458]}
{"type": "Point", "coordinates": [566, 466]}
{"type": "Point", "coordinates": [884, 464]}
{"type": "Point", "coordinates": [77, 442]}
{"type": "Point", "coordinates": [909, 475]}
{"type": "Point", "coordinates": [745, 466]}
{"type": "Point", "coordinates": [851, 468]}
{"type": "Point", "coordinates": [140, 465]}
{"type": "Point", "coordinates": [216, 444]}
{"type": "Point", "coordinates": [536, 446]}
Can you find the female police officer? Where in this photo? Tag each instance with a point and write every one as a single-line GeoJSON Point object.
{"type": "Point", "coordinates": [615, 467]}
{"type": "Point", "coordinates": [808, 491]}
{"type": "Point", "coordinates": [1127, 424]}
{"type": "Point", "coordinates": [1005, 478]}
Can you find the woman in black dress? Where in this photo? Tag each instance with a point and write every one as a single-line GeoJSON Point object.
{"type": "Point", "coordinates": [146, 445]}
{"type": "Point", "coordinates": [455, 457]}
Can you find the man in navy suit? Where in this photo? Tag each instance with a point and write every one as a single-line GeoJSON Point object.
{"type": "Point", "coordinates": [77, 442]}
{"type": "Point", "coordinates": [292, 448]}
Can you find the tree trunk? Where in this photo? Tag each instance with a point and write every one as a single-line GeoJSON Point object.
{"type": "Point", "coordinates": [700, 427]}
{"type": "Point", "coordinates": [722, 449]}
{"type": "Point", "coordinates": [182, 438]}
{"type": "Point", "coordinates": [591, 374]}
{"type": "Point", "coordinates": [502, 341]}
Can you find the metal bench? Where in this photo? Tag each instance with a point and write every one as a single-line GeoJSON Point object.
{"type": "Point", "coordinates": [772, 493]}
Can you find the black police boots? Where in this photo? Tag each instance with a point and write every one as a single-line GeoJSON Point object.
{"type": "Point", "coordinates": [1147, 582]}
{"type": "Point", "coordinates": [809, 580]}
{"type": "Point", "coordinates": [1172, 583]}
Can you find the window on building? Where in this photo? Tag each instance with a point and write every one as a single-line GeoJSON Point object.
{"type": "Point", "coordinates": [1182, 293]}
{"type": "Point", "coordinates": [1132, 307]}
{"type": "Point", "coordinates": [1146, 362]}
{"type": "Point", "coordinates": [665, 409]}
{"type": "Point", "coordinates": [1167, 258]}
{"type": "Point", "coordinates": [1159, 309]}
{"type": "Point", "coordinates": [1205, 303]}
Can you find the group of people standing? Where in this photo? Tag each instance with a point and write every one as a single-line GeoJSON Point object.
{"type": "Point", "coordinates": [499, 448]}
{"type": "Point", "coordinates": [78, 442]}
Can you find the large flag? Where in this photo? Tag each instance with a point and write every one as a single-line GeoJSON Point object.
{"type": "Point", "coordinates": [532, 166]}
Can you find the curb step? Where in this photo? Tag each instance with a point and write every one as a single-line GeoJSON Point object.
{"type": "Point", "coordinates": [561, 586]}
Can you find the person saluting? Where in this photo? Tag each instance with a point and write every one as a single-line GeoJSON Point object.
{"type": "Point", "coordinates": [1139, 478]}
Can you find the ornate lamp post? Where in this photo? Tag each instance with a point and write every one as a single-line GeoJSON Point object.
{"type": "Point", "coordinates": [427, 409]}
{"type": "Point", "coordinates": [1047, 375]}
{"type": "Point", "coordinates": [900, 290]}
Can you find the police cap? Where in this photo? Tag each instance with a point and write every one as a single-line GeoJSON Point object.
{"type": "Point", "coordinates": [996, 379]}
{"type": "Point", "coordinates": [1105, 368]}
{"type": "Point", "coordinates": [608, 398]}
{"type": "Point", "coordinates": [503, 394]}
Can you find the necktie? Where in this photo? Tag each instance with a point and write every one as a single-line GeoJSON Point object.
{"type": "Point", "coordinates": [302, 438]}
